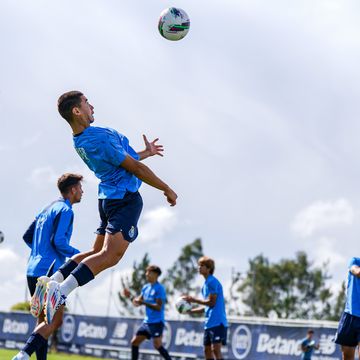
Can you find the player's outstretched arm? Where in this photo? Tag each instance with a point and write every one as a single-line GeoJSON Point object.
{"type": "Point", "coordinates": [210, 301]}
{"type": "Point", "coordinates": [145, 174]}
{"type": "Point", "coordinates": [151, 149]}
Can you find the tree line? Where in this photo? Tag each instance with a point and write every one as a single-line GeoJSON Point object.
{"type": "Point", "coordinates": [287, 289]}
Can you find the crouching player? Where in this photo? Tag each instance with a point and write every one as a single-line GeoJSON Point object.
{"type": "Point", "coordinates": [214, 306]}
{"type": "Point", "coordinates": [153, 297]}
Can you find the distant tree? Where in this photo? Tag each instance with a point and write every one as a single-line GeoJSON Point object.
{"type": "Point", "coordinates": [292, 288]}
{"type": "Point", "coordinates": [134, 283]}
{"type": "Point", "coordinates": [21, 306]}
{"type": "Point", "coordinates": [180, 278]}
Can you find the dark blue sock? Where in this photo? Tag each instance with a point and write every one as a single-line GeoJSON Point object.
{"type": "Point", "coordinates": [82, 274]}
{"type": "Point", "coordinates": [33, 343]}
{"type": "Point", "coordinates": [41, 353]}
{"type": "Point", "coordinates": [134, 352]}
{"type": "Point", "coordinates": [67, 268]}
{"type": "Point", "coordinates": [163, 352]}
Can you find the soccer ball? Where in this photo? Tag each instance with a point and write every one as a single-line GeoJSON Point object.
{"type": "Point", "coordinates": [182, 306]}
{"type": "Point", "coordinates": [174, 24]}
{"type": "Point", "coordinates": [2, 237]}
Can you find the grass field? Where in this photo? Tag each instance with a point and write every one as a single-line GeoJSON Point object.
{"type": "Point", "coordinates": [8, 354]}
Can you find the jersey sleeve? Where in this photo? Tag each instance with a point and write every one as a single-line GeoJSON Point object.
{"type": "Point", "coordinates": [29, 234]}
{"type": "Point", "coordinates": [160, 293]}
{"type": "Point", "coordinates": [62, 231]}
{"type": "Point", "coordinates": [213, 287]}
{"type": "Point", "coordinates": [115, 152]}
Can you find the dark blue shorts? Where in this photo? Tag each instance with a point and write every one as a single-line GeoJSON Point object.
{"type": "Point", "coordinates": [348, 332]}
{"type": "Point", "coordinates": [216, 334]}
{"type": "Point", "coordinates": [151, 330]}
{"type": "Point", "coordinates": [31, 280]}
{"type": "Point", "coordinates": [120, 215]}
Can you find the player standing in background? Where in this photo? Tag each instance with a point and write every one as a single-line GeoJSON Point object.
{"type": "Point", "coordinates": [108, 154]}
{"type": "Point", "coordinates": [348, 332]}
{"type": "Point", "coordinates": [153, 297]}
{"type": "Point", "coordinates": [308, 345]}
{"type": "Point", "coordinates": [49, 240]}
{"type": "Point", "coordinates": [214, 306]}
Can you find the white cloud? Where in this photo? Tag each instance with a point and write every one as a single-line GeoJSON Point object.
{"type": "Point", "coordinates": [156, 224]}
{"type": "Point", "coordinates": [323, 215]}
{"type": "Point", "coordinates": [324, 250]}
{"type": "Point", "coordinates": [43, 175]}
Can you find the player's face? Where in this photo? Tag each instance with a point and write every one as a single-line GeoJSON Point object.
{"type": "Point", "coordinates": [151, 276]}
{"type": "Point", "coordinates": [86, 110]}
{"type": "Point", "coordinates": [203, 270]}
{"type": "Point", "coordinates": [77, 193]}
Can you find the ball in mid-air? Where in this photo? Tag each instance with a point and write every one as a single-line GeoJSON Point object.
{"type": "Point", "coordinates": [2, 237]}
{"type": "Point", "coordinates": [174, 24]}
{"type": "Point", "coordinates": [182, 306]}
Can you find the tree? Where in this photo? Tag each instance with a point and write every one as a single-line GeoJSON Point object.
{"type": "Point", "coordinates": [134, 283]}
{"type": "Point", "coordinates": [180, 278]}
{"type": "Point", "coordinates": [293, 288]}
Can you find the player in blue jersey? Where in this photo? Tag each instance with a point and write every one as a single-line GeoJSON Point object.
{"type": "Point", "coordinates": [213, 304]}
{"type": "Point", "coordinates": [48, 237]}
{"type": "Point", "coordinates": [308, 345]}
{"type": "Point", "coordinates": [153, 297]}
{"type": "Point", "coordinates": [119, 168]}
{"type": "Point", "coordinates": [348, 332]}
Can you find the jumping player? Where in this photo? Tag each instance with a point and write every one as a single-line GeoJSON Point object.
{"type": "Point", "coordinates": [213, 305]}
{"type": "Point", "coordinates": [108, 154]}
{"type": "Point", "coordinates": [49, 240]}
{"type": "Point", "coordinates": [153, 297]}
{"type": "Point", "coordinates": [348, 332]}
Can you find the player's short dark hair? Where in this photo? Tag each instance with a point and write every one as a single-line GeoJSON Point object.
{"type": "Point", "coordinates": [67, 102]}
{"type": "Point", "coordinates": [208, 262]}
{"type": "Point", "coordinates": [66, 181]}
{"type": "Point", "coordinates": [154, 268]}
{"type": "Point", "coordinates": [310, 331]}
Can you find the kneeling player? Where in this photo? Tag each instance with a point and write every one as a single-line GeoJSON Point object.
{"type": "Point", "coordinates": [153, 297]}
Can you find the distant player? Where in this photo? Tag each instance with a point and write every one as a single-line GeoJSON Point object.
{"type": "Point", "coordinates": [308, 345]}
{"type": "Point", "coordinates": [108, 154]}
{"type": "Point", "coordinates": [214, 306]}
{"type": "Point", "coordinates": [348, 332]}
{"type": "Point", "coordinates": [49, 240]}
{"type": "Point", "coordinates": [153, 297]}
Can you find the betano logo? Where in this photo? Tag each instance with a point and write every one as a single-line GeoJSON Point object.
{"type": "Point", "coordinates": [88, 330]}
{"type": "Point", "coordinates": [15, 327]}
{"type": "Point", "coordinates": [278, 345]}
{"type": "Point", "coordinates": [241, 342]}
{"type": "Point", "coordinates": [188, 338]}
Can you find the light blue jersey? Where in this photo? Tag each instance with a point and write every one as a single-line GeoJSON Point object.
{"type": "Point", "coordinates": [103, 150]}
{"type": "Point", "coordinates": [352, 305]}
{"type": "Point", "coordinates": [49, 238]}
{"type": "Point", "coordinates": [151, 292]}
{"type": "Point", "coordinates": [214, 316]}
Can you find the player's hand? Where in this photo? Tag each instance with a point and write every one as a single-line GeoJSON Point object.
{"type": "Point", "coordinates": [152, 148]}
{"type": "Point", "coordinates": [188, 298]}
{"type": "Point", "coordinates": [126, 293]}
{"type": "Point", "coordinates": [170, 196]}
{"type": "Point", "coordinates": [137, 301]}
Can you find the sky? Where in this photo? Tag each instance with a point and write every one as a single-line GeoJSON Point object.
{"type": "Point", "coordinates": [257, 108]}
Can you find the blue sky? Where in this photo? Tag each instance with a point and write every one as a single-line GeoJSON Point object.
{"type": "Point", "coordinates": [257, 109]}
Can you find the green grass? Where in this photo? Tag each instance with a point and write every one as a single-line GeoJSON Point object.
{"type": "Point", "coordinates": [8, 354]}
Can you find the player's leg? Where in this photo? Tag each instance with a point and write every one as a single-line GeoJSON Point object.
{"type": "Point", "coordinates": [157, 342]}
{"type": "Point", "coordinates": [216, 349]}
{"type": "Point", "coordinates": [141, 334]}
{"type": "Point", "coordinates": [120, 217]}
{"type": "Point", "coordinates": [348, 352]}
{"type": "Point", "coordinates": [37, 342]}
{"type": "Point", "coordinates": [208, 352]}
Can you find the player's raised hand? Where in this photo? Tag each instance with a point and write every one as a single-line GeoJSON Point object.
{"type": "Point", "coordinates": [152, 148]}
{"type": "Point", "coordinates": [170, 196]}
